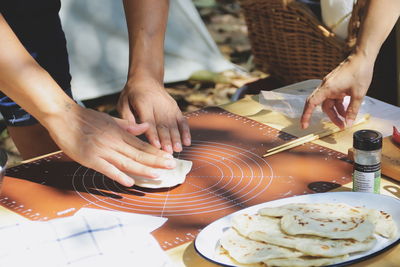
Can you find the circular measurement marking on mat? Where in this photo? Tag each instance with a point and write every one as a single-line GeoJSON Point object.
{"type": "Point", "coordinates": [223, 176]}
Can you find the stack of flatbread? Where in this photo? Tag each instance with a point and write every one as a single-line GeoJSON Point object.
{"type": "Point", "coordinates": [304, 234]}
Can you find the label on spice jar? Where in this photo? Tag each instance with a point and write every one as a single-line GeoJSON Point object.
{"type": "Point", "coordinates": [367, 178]}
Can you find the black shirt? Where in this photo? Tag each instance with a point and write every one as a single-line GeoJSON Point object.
{"type": "Point", "coordinates": [37, 25]}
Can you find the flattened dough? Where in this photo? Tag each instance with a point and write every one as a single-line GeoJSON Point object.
{"type": "Point", "coordinates": [167, 178]}
{"type": "Point", "coordinates": [384, 224]}
{"type": "Point", "coordinates": [330, 220]}
{"type": "Point", "coordinates": [267, 229]}
{"type": "Point", "coordinates": [248, 251]}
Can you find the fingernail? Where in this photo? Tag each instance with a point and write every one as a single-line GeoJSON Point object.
{"type": "Point", "coordinates": [129, 181]}
{"type": "Point", "coordinates": [168, 156]}
{"type": "Point", "coordinates": [154, 174]}
{"type": "Point", "coordinates": [157, 144]}
{"type": "Point", "coordinates": [170, 163]}
{"type": "Point", "coordinates": [187, 141]}
{"type": "Point", "coordinates": [349, 122]}
{"type": "Point", "coordinates": [178, 147]}
{"type": "Point", "coordinates": [168, 148]}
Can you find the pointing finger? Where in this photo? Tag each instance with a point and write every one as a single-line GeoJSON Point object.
{"type": "Point", "coordinates": [316, 98]}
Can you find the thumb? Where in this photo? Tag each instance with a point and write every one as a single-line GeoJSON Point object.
{"type": "Point", "coordinates": [138, 128]}
{"type": "Point", "coordinates": [126, 112]}
{"type": "Point", "coordinates": [133, 128]}
{"type": "Point", "coordinates": [352, 110]}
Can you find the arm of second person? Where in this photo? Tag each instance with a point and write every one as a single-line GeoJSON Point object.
{"type": "Point", "coordinates": [94, 139]}
{"type": "Point", "coordinates": [144, 94]}
{"type": "Point", "coordinates": [353, 76]}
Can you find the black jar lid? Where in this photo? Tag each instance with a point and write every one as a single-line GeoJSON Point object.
{"type": "Point", "coordinates": [367, 140]}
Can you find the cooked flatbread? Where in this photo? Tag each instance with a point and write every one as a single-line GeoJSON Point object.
{"type": "Point", "coordinates": [304, 261]}
{"type": "Point", "coordinates": [248, 251]}
{"type": "Point", "coordinates": [331, 220]}
{"type": "Point", "coordinates": [323, 234]}
{"type": "Point", "coordinates": [384, 224]}
{"type": "Point", "coordinates": [223, 256]}
{"type": "Point", "coordinates": [268, 230]}
{"type": "Point", "coordinates": [350, 227]}
{"type": "Point", "coordinates": [325, 209]}
{"type": "Point", "coordinates": [167, 177]}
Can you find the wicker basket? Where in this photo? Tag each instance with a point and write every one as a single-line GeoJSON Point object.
{"type": "Point", "coordinates": [289, 41]}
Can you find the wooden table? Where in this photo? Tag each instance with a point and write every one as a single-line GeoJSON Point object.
{"type": "Point", "coordinates": [185, 255]}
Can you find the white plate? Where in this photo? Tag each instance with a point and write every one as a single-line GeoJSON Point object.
{"type": "Point", "coordinates": [207, 241]}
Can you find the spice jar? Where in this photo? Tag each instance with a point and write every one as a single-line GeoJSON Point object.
{"type": "Point", "coordinates": [367, 146]}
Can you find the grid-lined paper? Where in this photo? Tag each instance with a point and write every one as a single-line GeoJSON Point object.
{"type": "Point", "coordinates": [90, 238]}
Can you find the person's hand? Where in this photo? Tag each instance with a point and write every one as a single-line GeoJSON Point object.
{"type": "Point", "coordinates": [147, 101]}
{"type": "Point", "coordinates": [351, 78]}
{"type": "Point", "coordinates": [106, 144]}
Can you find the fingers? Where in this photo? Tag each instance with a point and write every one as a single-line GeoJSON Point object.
{"type": "Point", "coordinates": [179, 133]}
{"type": "Point", "coordinates": [340, 107]}
{"type": "Point", "coordinates": [152, 135]}
{"type": "Point", "coordinates": [140, 164]}
{"type": "Point", "coordinates": [352, 110]}
{"type": "Point", "coordinates": [133, 128]}
{"type": "Point", "coordinates": [168, 129]}
{"type": "Point", "coordinates": [165, 137]}
{"type": "Point", "coordinates": [130, 159]}
{"type": "Point", "coordinates": [136, 143]}
{"type": "Point", "coordinates": [175, 137]}
{"type": "Point", "coordinates": [112, 172]}
{"type": "Point", "coordinates": [328, 106]}
{"type": "Point", "coordinates": [316, 98]}
{"type": "Point", "coordinates": [139, 154]}
{"type": "Point", "coordinates": [171, 135]}
{"type": "Point", "coordinates": [138, 129]}
{"type": "Point", "coordinates": [126, 112]}
{"type": "Point", "coordinates": [185, 131]}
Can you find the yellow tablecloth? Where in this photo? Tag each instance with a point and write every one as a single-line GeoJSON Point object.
{"type": "Point", "coordinates": [185, 255]}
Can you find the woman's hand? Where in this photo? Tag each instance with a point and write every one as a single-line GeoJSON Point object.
{"type": "Point", "coordinates": [106, 144]}
{"type": "Point", "coordinates": [351, 78]}
{"type": "Point", "coordinates": [147, 101]}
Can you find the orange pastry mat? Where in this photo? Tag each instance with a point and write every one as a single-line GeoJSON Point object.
{"type": "Point", "coordinates": [228, 174]}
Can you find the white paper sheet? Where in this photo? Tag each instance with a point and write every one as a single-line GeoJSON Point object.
{"type": "Point", "coordinates": [290, 100]}
{"type": "Point", "coordinates": [89, 238]}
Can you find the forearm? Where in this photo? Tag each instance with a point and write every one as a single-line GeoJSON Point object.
{"type": "Point", "coordinates": [24, 81]}
{"type": "Point", "coordinates": [146, 20]}
{"type": "Point", "coordinates": [380, 17]}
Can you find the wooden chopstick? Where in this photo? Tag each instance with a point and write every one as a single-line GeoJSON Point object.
{"type": "Point", "coordinates": [310, 137]}
{"type": "Point", "coordinates": [297, 140]}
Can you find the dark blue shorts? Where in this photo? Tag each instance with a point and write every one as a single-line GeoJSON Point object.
{"type": "Point", "coordinates": [14, 115]}
{"type": "Point", "coordinates": [38, 27]}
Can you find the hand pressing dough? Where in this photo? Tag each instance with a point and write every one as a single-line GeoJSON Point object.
{"type": "Point", "coordinates": [167, 177]}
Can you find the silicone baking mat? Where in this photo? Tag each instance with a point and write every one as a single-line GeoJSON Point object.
{"type": "Point", "coordinates": [228, 174]}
